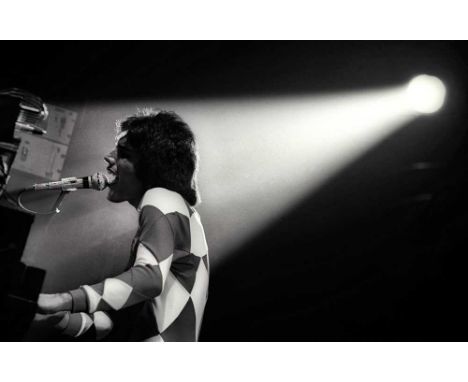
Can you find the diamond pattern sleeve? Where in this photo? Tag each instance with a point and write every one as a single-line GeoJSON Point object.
{"type": "Point", "coordinates": [94, 326]}
{"type": "Point", "coordinates": [144, 280]}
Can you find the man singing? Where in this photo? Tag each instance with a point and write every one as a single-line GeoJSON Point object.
{"type": "Point", "coordinates": [162, 294]}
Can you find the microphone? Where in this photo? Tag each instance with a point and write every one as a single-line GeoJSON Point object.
{"type": "Point", "coordinates": [97, 181]}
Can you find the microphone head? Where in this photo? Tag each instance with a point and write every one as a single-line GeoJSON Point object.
{"type": "Point", "coordinates": [98, 181]}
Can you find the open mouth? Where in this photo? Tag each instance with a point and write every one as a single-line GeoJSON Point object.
{"type": "Point", "coordinates": [112, 177]}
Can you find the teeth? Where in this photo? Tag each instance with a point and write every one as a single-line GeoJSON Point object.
{"type": "Point", "coordinates": [111, 178]}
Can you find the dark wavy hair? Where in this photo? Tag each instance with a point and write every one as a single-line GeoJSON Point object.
{"type": "Point", "coordinates": [166, 151]}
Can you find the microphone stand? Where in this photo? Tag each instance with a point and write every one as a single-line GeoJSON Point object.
{"type": "Point", "coordinates": [56, 207]}
{"type": "Point", "coordinates": [59, 200]}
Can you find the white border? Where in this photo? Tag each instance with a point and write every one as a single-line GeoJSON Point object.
{"type": "Point", "coordinates": [240, 19]}
{"type": "Point", "coordinates": [235, 362]}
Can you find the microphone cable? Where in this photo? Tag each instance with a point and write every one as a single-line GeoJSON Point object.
{"type": "Point", "coordinates": [56, 206]}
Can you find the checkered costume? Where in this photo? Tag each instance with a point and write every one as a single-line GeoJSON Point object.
{"type": "Point", "coordinates": [162, 295]}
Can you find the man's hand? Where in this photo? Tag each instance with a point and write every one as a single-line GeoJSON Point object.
{"type": "Point", "coordinates": [57, 319]}
{"type": "Point", "coordinates": [52, 303]}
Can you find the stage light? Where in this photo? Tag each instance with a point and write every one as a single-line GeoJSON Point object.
{"type": "Point", "coordinates": [425, 94]}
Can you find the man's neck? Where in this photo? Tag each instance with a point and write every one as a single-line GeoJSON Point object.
{"type": "Point", "coordinates": [136, 202]}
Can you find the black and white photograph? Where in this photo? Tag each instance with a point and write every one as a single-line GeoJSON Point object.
{"type": "Point", "coordinates": [233, 191]}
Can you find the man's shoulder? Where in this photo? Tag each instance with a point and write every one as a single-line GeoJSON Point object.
{"type": "Point", "coordinates": [165, 201]}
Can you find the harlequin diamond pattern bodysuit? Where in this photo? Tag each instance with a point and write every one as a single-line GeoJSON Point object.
{"type": "Point", "coordinates": [162, 295]}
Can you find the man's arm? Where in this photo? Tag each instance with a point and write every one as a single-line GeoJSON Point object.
{"type": "Point", "coordinates": [144, 281]}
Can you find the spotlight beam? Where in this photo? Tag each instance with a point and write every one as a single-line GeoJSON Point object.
{"type": "Point", "coordinates": [259, 156]}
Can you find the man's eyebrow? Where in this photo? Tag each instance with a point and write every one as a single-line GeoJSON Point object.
{"type": "Point", "coordinates": [120, 135]}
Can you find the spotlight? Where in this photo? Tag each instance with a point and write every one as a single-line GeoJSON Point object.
{"type": "Point", "coordinates": [425, 94]}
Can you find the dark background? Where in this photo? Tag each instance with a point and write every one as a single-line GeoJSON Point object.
{"type": "Point", "coordinates": [379, 252]}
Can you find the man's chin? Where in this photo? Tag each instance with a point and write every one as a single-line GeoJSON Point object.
{"type": "Point", "coordinates": [113, 197]}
